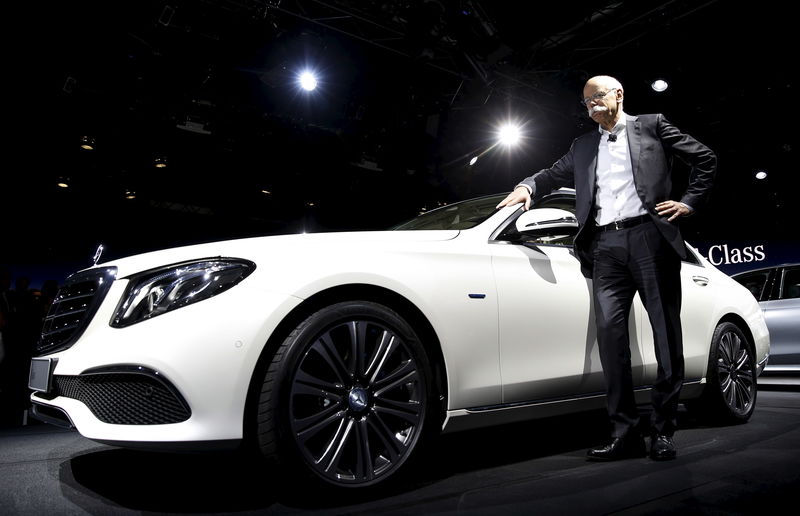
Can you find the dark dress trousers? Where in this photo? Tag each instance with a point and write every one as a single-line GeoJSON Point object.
{"type": "Point", "coordinates": [644, 258]}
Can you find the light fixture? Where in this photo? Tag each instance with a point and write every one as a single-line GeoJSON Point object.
{"type": "Point", "coordinates": [473, 160]}
{"type": "Point", "coordinates": [761, 174]}
{"type": "Point", "coordinates": [87, 143]}
{"type": "Point", "coordinates": [160, 162]}
{"type": "Point", "coordinates": [308, 81]}
{"type": "Point", "coordinates": [265, 191]}
{"type": "Point", "coordinates": [63, 182]}
{"type": "Point", "coordinates": [509, 134]}
{"type": "Point", "coordinates": [130, 194]}
{"type": "Point", "coordinates": [659, 85]}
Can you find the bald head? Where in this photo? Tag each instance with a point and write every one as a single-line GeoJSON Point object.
{"type": "Point", "coordinates": [605, 82]}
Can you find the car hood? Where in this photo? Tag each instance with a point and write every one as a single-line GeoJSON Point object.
{"type": "Point", "coordinates": [262, 248]}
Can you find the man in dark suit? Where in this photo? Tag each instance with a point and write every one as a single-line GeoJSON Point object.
{"type": "Point", "coordinates": [629, 241]}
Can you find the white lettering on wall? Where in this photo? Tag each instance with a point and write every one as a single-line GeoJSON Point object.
{"type": "Point", "coordinates": [722, 254]}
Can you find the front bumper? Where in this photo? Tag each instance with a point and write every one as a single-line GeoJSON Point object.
{"type": "Point", "coordinates": [180, 377]}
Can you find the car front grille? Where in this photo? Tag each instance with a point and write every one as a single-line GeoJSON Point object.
{"type": "Point", "coordinates": [124, 398]}
{"type": "Point", "coordinates": [73, 308]}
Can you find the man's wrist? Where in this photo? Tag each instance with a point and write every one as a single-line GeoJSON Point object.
{"type": "Point", "coordinates": [530, 190]}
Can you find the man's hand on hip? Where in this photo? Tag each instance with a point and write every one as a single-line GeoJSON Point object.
{"type": "Point", "coordinates": [520, 194]}
{"type": "Point", "coordinates": [674, 209]}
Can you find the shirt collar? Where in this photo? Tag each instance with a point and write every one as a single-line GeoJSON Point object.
{"type": "Point", "coordinates": [618, 127]}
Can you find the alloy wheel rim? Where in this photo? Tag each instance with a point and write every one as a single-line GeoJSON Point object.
{"type": "Point", "coordinates": [736, 376]}
{"type": "Point", "coordinates": [356, 402]}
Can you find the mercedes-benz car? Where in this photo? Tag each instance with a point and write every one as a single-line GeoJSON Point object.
{"type": "Point", "coordinates": [777, 290]}
{"type": "Point", "coordinates": [341, 354]}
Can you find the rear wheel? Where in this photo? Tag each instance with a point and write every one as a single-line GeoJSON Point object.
{"type": "Point", "coordinates": [730, 395]}
{"type": "Point", "coordinates": [347, 396]}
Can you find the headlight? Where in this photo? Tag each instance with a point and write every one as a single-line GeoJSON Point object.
{"type": "Point", "coordinates": [153, 293]}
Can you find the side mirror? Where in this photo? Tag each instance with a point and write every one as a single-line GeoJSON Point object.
{"type": "Point", "coordinates": [546, 222]}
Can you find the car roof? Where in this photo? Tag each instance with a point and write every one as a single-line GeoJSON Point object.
{"type": "Point", "coordinates": [771, 267]}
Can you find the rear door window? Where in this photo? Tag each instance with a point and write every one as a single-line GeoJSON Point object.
{"type": "Point", "coordinates": [756, 283]}
{"type": "Point", "coordinates": [791, 283]}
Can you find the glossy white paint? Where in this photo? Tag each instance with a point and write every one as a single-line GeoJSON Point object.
{"type": "Point", "coordinates": [547, 333]}
{"type": "Point", "coordinates": [526, 338]}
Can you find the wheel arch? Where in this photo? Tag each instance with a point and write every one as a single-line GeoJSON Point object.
{"type": "Point", "coordinates": [713, 404]}
{"type": "Point", "coordinates": [743, 326]}
{"type": "Point", "coordinates": [340, 293]}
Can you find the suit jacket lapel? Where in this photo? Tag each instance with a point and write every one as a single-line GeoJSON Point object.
{"type": "Point", "coordinates": [634, 142]}
{"type": "Point", "coordinates": [591, 173]}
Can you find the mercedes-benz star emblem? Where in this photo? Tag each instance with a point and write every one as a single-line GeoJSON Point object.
{"type": "Point", "coordinates": [358, 399]}
{"type": "Point", "coordinates": [98, 254]}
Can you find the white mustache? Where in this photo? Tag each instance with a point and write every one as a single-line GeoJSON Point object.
{"type": "Point", "coordinates": [598, 109]}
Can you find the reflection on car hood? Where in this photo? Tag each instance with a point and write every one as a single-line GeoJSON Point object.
{"type": "Point", "coordinates": [253, 248]}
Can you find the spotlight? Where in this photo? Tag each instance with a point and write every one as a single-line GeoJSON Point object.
{"type": "Point", "coordinates": [161, 162]}
{"type": "Point", "coordinates": [659, 85]}
{"type": "Point", "coordinates": [87, 143]}
{"type": "Point", "coordinates": [761, 174]}
{"type": "Point", "coordinates": [509, 135]}
{"type": "Point", "coordinates": [473, 160]}
{"type": "Point", "coordinates": [308, 81]}
{"type": "Point", "coordinates": [130, 194]}
{"type": "Point", "coordinates": [63, 182]}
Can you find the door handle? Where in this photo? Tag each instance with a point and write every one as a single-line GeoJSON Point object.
{"type": "Point", "coordinates": [700, 280]}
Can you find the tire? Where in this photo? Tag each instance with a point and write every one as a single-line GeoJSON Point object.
{"type": "Point", "coordinates": [348, 396]}
{"type": "Point", "coordinates": [730, 393]}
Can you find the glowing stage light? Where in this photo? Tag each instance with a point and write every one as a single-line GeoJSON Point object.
{"type": "Point", "coordinates": [509, 134]}
{"type": "Point", "coordinates": [659, 85]}
{"type": "Point", "coordinates": [308, 81]}
{"type": "Point", "coordinates": [761, 174]}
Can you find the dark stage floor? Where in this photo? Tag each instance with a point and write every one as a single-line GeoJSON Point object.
{"type": "Point", "coordinates": [532, 468]}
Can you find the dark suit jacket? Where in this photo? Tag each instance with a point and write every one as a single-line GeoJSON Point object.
{"type": "Point", "coordinates": [653, 142]}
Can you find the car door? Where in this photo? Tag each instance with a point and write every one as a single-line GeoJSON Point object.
{"type": "Point", "coordinates": [697, 328]}
{"type": "Point", "coordinates": [547, 333]}
{"type": "Point", "coordinates": [782, 313]}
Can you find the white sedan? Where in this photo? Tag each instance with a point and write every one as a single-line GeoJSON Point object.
{"type": "Point", "coordinates": [341, 353]}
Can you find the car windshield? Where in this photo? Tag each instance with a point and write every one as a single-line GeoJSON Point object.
{"type": "Point", "coordinates": [461, 215]}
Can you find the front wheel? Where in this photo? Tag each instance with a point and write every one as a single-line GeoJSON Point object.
{"type": "Point", "coordinates": [348, 395]}
{"type": "Point", "coordinates": [730, 395]}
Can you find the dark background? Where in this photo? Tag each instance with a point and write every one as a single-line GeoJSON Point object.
{"type": "Point", "coordinates": [409, 92]}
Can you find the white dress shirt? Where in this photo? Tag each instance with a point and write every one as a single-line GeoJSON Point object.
{"type": "Point", "coordinates": [615, 196]}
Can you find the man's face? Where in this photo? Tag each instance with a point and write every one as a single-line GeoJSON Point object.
{"type": "Point", "coordinates": [601, 102]}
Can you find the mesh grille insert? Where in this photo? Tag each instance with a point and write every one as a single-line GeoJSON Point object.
{"type": "Point", "coordinates": [125, 398]}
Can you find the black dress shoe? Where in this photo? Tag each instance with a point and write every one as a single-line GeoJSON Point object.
{"type": "Point", "coordinates": [620, 448]}
{"type": "Point", "coordinates": [662, 447]}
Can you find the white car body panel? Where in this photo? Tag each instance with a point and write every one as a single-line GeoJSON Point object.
{"type": "Point", "coordinates": [705, 287]}
{"type": "Point", "coordinates": [544, 289]}
{"type": "Point", "coordinates": [494, 370]}
{"type": "Point", "coordinates": [211, 364]}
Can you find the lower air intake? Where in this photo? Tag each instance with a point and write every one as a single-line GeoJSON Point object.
{"type": "Point", "coordinates": [124, 398]}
